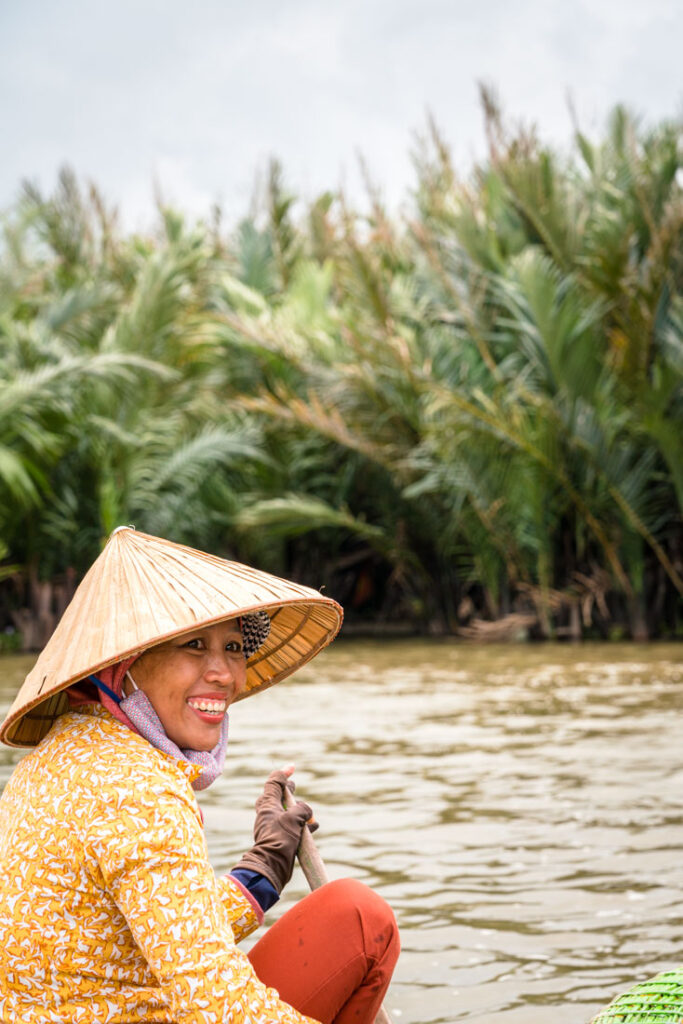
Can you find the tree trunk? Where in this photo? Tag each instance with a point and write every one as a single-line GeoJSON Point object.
{"type": "Point", "coordinates": [575, 630]}
{"type": "Point", "coordinates": [638, 622]}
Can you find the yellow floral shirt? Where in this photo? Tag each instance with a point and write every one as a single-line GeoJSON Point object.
{"type": "Point", "coordinates": [109, 908]}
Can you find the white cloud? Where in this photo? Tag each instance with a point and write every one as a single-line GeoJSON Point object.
{"type": "Point", "coordinates": [200, 95]}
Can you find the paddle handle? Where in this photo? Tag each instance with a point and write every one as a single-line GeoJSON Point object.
{"type": "Point", "coordinates": [316, 875]}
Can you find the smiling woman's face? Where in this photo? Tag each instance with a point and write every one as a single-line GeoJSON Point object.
{"type": "Point", "coordinates": [191, 681]}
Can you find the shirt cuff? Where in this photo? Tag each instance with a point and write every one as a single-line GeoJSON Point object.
{"type": "Point", "coordinates": [259, 887]}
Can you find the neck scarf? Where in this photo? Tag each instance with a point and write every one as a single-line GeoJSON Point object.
{"type": "Point", "coordinates": [138, 708]}
{"type": "Point", "coordinates": [136, 713]}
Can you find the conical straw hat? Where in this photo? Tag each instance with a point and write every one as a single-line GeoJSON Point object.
{"type": "Point", "coordinates": [143, 590]}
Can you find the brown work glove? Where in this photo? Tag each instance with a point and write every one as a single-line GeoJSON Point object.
{"type": "Point", "coordinates": [277, 832]}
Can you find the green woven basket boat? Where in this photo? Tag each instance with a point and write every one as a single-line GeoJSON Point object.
{"type": "Point", "coordinates": [658, 1000]}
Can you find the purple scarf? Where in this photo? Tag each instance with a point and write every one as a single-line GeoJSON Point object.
{"type": "Point", "coordinates": [138, 708]}
{"type": "Point", "coordinates": [136, 713]}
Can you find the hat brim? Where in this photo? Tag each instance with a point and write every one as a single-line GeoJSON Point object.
{"type": "Point", "coordinates": [144, 590]}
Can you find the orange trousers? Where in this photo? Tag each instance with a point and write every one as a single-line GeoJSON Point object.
{"type": "Point", "coordinates": [332, 955]}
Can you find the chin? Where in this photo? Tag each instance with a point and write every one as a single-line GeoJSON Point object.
{"type": "Point", "coordinates": [189, 735]}
{"type": "Point", "coordinates": [204, 744]}
{"type": "Point", "coordinates": [202, 741]}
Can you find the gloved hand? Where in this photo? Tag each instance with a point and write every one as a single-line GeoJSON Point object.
{"type": "Point", "coordinates": [277, 832]}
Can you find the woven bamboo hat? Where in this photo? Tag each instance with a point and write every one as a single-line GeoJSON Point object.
{"type": "Point", "coordinates": [143, 590]}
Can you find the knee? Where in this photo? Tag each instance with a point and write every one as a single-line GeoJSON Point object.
{"type": "Point", "coordinates": [351, 893]}
{"type": "Point", "coordinates": [376, 918]}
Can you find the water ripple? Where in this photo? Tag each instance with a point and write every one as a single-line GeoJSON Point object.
{"type": "Point", "coordinates": [520, 808]}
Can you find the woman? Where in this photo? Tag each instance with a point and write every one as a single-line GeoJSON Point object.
{"type": "Point", "coordinates": [109, 908]}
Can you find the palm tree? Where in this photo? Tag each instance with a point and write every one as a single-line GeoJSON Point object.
{"type": "Point", "coordinates": [473, 412]}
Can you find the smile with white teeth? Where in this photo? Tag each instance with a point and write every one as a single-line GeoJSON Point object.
{"type": "Point", "coordinates": [212, 707]}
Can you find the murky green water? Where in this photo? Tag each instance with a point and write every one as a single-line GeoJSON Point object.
{"type": "Point", "coordinates": [521, 808]}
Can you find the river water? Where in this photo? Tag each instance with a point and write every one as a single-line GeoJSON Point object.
{"type": "Point", "coordinates": [521, 808]}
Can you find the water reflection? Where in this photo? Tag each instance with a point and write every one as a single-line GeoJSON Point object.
{"type": "Point", "coordinates": [521, 809]}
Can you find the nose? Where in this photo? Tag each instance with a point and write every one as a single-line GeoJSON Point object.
{"type": "Point", "coordinates": [227, 671]}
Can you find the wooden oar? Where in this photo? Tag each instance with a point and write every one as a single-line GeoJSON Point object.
{"type": "Point", "coordinates": [316, 875]}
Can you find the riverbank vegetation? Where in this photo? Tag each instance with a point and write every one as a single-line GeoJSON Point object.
{"type": "Point", "coordinates": [467, 418]}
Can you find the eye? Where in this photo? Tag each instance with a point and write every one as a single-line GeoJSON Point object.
{"type": "Point", "coordinates": [234, 646]}
{"type": "Point", "coordinates": [195, 643]}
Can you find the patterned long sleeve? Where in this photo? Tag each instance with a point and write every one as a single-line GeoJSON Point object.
{"type": "Point", "coordinates": [154, 863]}
{"type": "Point", "coordinates": [242, 908]}
{"type": "Point", "coordinates": [109, 908]}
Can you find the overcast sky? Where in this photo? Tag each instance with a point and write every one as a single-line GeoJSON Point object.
{"type": "Point", "coordinates": [197, 95]}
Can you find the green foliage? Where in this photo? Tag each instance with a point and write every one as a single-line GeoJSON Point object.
{"type": "Point", "coordinates": [472, 411]}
